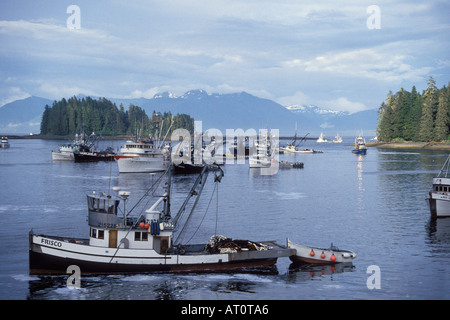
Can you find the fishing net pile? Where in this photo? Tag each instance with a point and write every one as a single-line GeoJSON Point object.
{"type": "Point", "coordinates": [222, 244]}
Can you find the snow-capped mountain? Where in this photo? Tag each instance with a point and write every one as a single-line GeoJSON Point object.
{"type": "Point", "coordinates": [314, 109]}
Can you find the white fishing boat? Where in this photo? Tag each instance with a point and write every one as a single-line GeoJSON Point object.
{"type": "Point", "coordinates": [337, 139]}
{"type": "Point", "coordinates": [264, 155]}
{"type": "Point", "coordinates": [313, 255]}
{"type": "Point", "coordinates": [4, 143]}
{"type": "Point", "coordinates": [439, 196]}
{"type": "Point", "coordinates": [142, 156]}
{"type": "Point", "coordinates": [145, 243]}
{"type": "Point", "coordinates": [81, 143]}
{"type": "Point", "coordinates": [321, 138]}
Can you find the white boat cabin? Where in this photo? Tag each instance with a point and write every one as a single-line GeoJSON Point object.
{"type": "Point", "coordinates": [110, 227]}
{"type": "Point", "coordinates": [441, 184]}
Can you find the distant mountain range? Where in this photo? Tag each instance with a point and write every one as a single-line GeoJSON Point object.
{"type": "Point", "coordinates": [219, 111]}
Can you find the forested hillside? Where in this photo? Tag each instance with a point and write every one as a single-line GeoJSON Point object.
{"type": "Point", "coordinates": [68, 117]}
{"type": "Point", "coordinates": [412, 116]}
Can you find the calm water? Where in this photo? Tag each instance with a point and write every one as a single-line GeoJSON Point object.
{"type": "Point", "coordinates": [373, 205]}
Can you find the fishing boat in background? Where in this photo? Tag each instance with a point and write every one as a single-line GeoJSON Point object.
{"type": "Point", "coordinates": [94, 156]}
{"type": "Point", "coordinates": [337, 139]}
{"type": "Point", "coordinates": [313, 255]}
{"type": "Point", "coordinates": [4, 143]}
{"type": "Point", "coordinates": [289, 165]}
{"type": "Point", "coordinates": [81, 143]}
{"type": "Point", "coordinates": [142, 156]}
{"type": "Point", "coordinates": [360, 145]}
{"type": "Point", "coordinates": [264, 155]}
{"type": "Point", "coordinates": [120, 242]}
{"type": "Point", "coordinates": [439, 196]}
{"type": "Point", "coordinates": [321, 138]}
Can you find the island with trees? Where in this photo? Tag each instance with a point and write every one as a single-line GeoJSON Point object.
{"type": "Point", "coordinates": [75, 115]}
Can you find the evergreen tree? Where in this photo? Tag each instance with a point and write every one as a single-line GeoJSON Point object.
{"type": "Point", "coordinates": [442, 116]}
{"type": "Point", "coordinates": [429, 109]}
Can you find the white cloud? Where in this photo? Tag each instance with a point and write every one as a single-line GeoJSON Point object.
{"type": "Point", "coordinates": [10, 94]}
{"type": "Point", "coordinates": [298, 98]}
{"type": "Point", "coordinates": [382, 63]}
{"type": "Point", "coordinates": [343, 103]}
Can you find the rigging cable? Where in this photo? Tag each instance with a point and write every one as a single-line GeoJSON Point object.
{"type": "Point", "coordinates": [216, 187]}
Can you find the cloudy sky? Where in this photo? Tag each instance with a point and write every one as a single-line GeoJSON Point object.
{"type": "Point", "coordinates": [340, 55]}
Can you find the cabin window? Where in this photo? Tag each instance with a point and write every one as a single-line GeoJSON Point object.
{"type": "Point", "coordinates": [99, 234]}
{"type": "Point", "coordinates": [140, 236]}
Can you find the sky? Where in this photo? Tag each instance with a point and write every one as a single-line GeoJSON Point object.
{"type": "Point", "coordinates": [341, 55]}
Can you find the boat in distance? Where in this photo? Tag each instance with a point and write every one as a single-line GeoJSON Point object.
{"type": "Point", "coordinates": [4, 143]}
{"type": "Point", "coordinates": [313, 255]}
{"type": "Point", "coordinates": [439, 196]}
{"type": "Point", "coordinates": [145, 243]}
{"type": "Point", "coordinates": [360, 146]}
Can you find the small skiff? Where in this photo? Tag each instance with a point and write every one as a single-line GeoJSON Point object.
{"type": "Point", "coordinates": [314, 255]}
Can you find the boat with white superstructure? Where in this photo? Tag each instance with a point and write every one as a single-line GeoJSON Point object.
{"type": "Point", "coordinates": [4, 143]}
{"type": "Point", "coordinates": [321, 138]}
{"type": "Point", "coordinates": [142, 156]}
{"type": "Point", "coordinates": [120, 242]}
{"type": "Point", "coordinates": [81, 143]}
{"type": "Point", "coordinates": [337, 139]}
{"type": "Point", "coordinates": [439, 196]}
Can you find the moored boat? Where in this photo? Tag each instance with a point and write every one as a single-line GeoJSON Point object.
{"type": "Point", "coordinates": [4, 143]}
{"type": "Point", "coordinates": [81, 143]}
{"type": "Point", "coordinates": [321, 138]}
{"type": "Point", "coordinates": [313, 255]}
{"type": "Point", "coordinates": [360, 146]}
{"type": "Point", "coordinates": [439, 196]}
{"type": "Point", "coordinates": [94, 156]}
{"type": "Point", "coordinates": [142, 156]}
{"type": "Point", "coordinates": [122, 243]}
{"type": "Point", "coordinates": [337, 139]}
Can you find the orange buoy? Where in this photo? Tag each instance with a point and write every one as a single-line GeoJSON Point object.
{"type": "Point", "coordinates": [312, 253]}
{"type": "Point", "coordinates": [333, 257]}
{"type": "Point", "coordinates": [146, 226]}
{"type": "Point", "coordinates": [322, 255]}
{"type": "Point", "coordinates": [141, 224]}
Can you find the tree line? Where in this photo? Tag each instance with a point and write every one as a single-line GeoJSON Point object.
{"type": "Point", "coordinates": [411, 116]}
{"type": "Point", "coordinates": [68, 117]}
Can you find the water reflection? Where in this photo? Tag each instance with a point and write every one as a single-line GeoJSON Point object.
{"type": "Point", "coordinates": [439, 231]}
{"type": "Point", "coordinates": [306, 272]}
{"type": "Point", "coordinates": [157, 286]}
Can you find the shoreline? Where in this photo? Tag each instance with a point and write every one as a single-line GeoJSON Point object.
{"type": "Point", "coordinates": [410, 145]}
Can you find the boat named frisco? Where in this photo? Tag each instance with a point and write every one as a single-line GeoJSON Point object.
{"type": "Point", "coordinates": [120, 243]}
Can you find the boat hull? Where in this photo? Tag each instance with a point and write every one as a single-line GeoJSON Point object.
{"type": "Point", "coordinates": [184, 168]}
{"type": "Point", "coordinates": [92, 157]}
{"type": "Point", "coordinates": [359, 151]}
{"type": "Point", "coordinates": [312, 255]}
{"type": "Point", "coordinates": [141, 164]}
{"type": "Point", "coordinates": [52, 255]}
{"type": "Point", "coordinates": [439, 204]}
{"type": "Point", "coordinates": [63, 156]}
